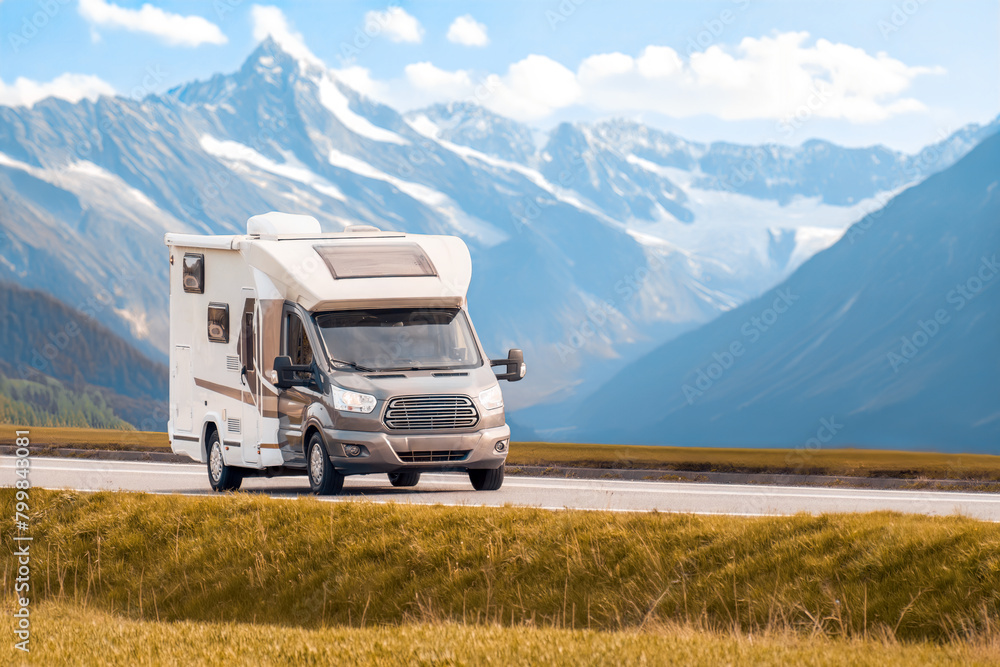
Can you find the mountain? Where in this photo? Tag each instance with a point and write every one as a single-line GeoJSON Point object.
{"type": "Point", "coordinates": [591, 245]}
{"type": "Point", "coordinates": [45, 401]}
{"type": "Point", "coordinates": [59, 366]}
{"type": "Point", "coordinates": [468, 124]}
{"type": "Point", "coordinates": [888, 338]}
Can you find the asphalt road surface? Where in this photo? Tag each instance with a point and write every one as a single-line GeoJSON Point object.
{"type": "Point", "coordinates": [548, 492]}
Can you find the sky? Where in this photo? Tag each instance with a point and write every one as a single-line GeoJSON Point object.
{"type": "Point", "coordinates": [903, 73]}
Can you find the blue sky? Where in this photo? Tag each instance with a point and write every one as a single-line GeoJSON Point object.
{"type": "Point", "coordinates": [902, 73]}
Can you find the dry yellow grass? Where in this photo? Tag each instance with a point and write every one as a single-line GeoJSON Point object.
{"type": "Point", "coordinates": [247, 558]}
{"type": "Point", "coordinates": [852, 462]}
{"type": "Point", "coordinates": [68, 634]}
{"type": "Point", "coordinates": [46, 437]}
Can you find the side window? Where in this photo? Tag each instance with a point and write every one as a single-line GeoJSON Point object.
{"type": "Point", "coordinates": [218, 322]}
{"type": "Point", "coordinates": [194, 273]}
{"type": "Point", "coordinates": [296, 341]}
{"type": "Point", "coordinates": [248, 341]}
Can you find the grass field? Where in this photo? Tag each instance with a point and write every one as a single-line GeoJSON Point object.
{"type": "Point", "coordinates": [306, 563]}
{"type": "Point", "coordinates": [71, 634]}
{"type": "Point", "coordinates": [849, 462]}
{"type": "Point", "coordinates": [48, 437]}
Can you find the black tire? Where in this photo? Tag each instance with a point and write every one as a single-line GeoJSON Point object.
{"type": "Point", "coordinates": [486, 480]}
{"type": "Point", "coordinates": [220, 476]}
{"type": "Point", "coordinates": [324, 480]}
{"type": "Point", "coordinates": [404, 478]}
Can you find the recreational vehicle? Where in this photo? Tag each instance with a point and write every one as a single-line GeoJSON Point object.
{"type": "Point", "coordinates": [294, 351]}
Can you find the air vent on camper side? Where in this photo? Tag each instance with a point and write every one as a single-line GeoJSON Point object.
{"type": "Point", "coordinates": [232, 363]}
{"type": "Point", "coordinates": [233, 425]}
{"type": "Point", "coordinates": [431, 413]}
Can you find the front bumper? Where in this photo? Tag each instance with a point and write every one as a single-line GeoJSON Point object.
{"type": "Point", "coordinates": [384, 450]}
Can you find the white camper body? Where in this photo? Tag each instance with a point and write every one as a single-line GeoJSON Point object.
{"type": "Point", "coordinates": [253, 378]}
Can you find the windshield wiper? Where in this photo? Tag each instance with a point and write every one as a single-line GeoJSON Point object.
{"type": "Point", "coordinates": [423, 368]}
{"type": "Point", "coordinates": [355, 366]}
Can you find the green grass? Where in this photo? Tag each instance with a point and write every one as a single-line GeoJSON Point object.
{"type": "Point", "coordinates": [68, 634]}
{"type": "Point", "coordinates": [850, 462]}
{"type": "Point", "coordinates": [306, 563]}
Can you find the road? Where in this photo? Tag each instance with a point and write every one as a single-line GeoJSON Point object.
{"type": "Point", "coordinates": [548, 492]}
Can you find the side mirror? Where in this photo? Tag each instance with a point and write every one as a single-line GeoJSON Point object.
{"type": "Point", "coordinates": [283, 375]}
{"type": "Point", "coordinates": [515, 366]}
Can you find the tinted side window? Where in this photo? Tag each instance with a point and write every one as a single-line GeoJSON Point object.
{"type": "Point", "coordinates": [296, 342]}
{"type": "Point", "coordinates": [194, 273]}
{"type": "Point", "coordinates": [218, 322]}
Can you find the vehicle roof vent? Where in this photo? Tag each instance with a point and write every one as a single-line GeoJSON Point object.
{"type": "Point", "coordinates": [351, 229]}
{"type": "Point", "coordinates": [275, 223]}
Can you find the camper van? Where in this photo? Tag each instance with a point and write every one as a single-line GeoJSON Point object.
{"type": "Point", "coordinates": [295, 352]}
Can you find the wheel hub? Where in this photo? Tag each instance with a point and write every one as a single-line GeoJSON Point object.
{"type": "Point", "coordinates": [316, 464]}
{"type": "Point", "coordinates": [215, 462]}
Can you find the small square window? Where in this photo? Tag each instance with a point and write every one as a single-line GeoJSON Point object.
{"type": "Point", "coordinates": [218, 322]}
{"type": "Point", "coordinates": [194, 273]}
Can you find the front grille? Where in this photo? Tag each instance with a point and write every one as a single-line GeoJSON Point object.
{"type": "Point", "coordinates": [434, 456]}
{"type": "Point", "coordinates": [431, 413]}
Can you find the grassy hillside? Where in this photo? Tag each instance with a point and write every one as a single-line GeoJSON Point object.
{"type": "Point", "coordinates": [74, 634]}
{"type": "Point", "coordinates": [62, 368]}
{"type": "Point", "coordinates": [251, 559]}
{"type": "Point", "coordinates": [49, 402]}
{"type": "Point", "coordinates": [40, 333]}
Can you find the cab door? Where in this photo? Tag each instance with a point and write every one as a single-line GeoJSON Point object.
{"type": "Point", "coordinates": [250, 378]}
{"type": "Point", "coordinates": [293, 402]}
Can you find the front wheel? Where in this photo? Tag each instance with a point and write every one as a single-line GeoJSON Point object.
{"type": "Point", "coordinates": [404, 478]}
{"type": "Point", "coordinates": [221, 476]}
{"type": "Point", "coordinates": [486, 480]}
{"type": "Point", "coordinates": [324, 480]}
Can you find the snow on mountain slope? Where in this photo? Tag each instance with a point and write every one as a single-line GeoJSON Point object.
{"type": "Point", "coordinates": [461, 223]}
{"type": "Point", "coordinates": [605, 242]}
{"type": "Point", "coordinates": [890, 334]}
{"type": "Point", "coordinates": [236, 152]}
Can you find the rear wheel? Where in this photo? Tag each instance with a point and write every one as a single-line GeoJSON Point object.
{"type": "Point", "coordinates": [324, 480]}
{"type": "Point", "coordinates": [221, 476]}
{"type": "Point", "coordinates": [486, 480]}
{"type": "Point", "coordinates": [404, 478]}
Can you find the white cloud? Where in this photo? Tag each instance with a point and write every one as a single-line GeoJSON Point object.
{"type": "Point", "coordinates": [777, 77]}
{"type": "Point", "coordinates": [172, 28]}
{"type": "Point", "coordinates": [658, 61]}
{"type": "Point", "coordinates": [466, 31]}
{"type": "Point", "coordinates": [531, 88]}
{"type": "Point", "coordinates": [604, 65]}
{"type": "Point", "coordinates": [773, 77]}
{"type": "Point", "coordinates": [425, 76]}
{"type": "Point", "coordinates": [534, 87]}
{"type": "Point", "coordinates": [71, 87]}
{"type": "Point", "coordinates": [270, 21]}
{"type": "Point", "coordinates": [396, 25]}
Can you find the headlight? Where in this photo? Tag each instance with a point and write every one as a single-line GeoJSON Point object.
{"type": "Point", "coordinates": [491, 399]}
{"type": "Point", "coordinates": [352, 401]}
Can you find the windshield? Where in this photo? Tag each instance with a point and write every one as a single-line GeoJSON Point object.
{"type": "Point", "coordinates": [400, 338]}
